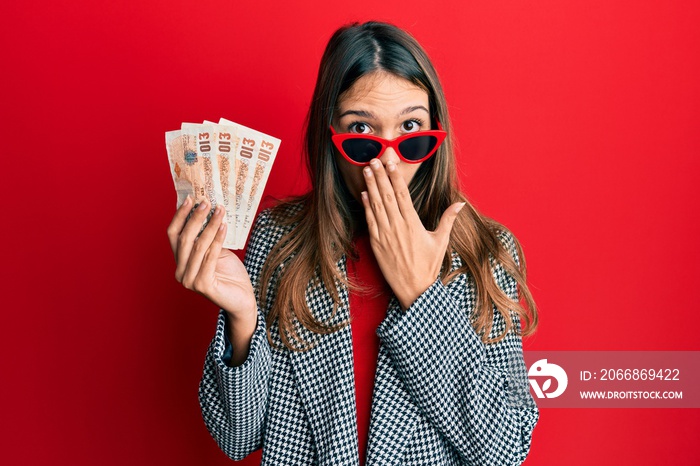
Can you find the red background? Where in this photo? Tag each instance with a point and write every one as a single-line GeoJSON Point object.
{"type": "Point", "coordinates": [577, 124]}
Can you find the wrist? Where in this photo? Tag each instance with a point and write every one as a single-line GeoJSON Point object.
{"type": "Point", "coordinates": [408, 297]}
{"type": "Point", "coordinates": [238, 316]}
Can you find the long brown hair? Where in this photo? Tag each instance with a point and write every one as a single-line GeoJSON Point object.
{"type": "Point", "coordinates": [321, 222]}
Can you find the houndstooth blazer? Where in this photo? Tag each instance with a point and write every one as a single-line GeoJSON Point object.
{"type": "Point", "coordinates": [441, 397]}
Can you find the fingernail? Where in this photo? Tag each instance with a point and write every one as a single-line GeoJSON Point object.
{"type": "Point", "coordinates": [364, 195]}
{"type": "Point", "coordinates": [187, 201]}
{"type": "Point", "coordinates": [391, 166]}
{"type": "Point", "coordinates": [459, 207]}
{"type": "Point", "coordinates": [367, 171]}
{"type": "Point", "coordinates": [217, 211]}
{"type": "Point", "coordinates": [202, 205]}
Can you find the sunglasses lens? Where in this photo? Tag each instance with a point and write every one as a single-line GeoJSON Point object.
{"type": "Point", "coordinates": [418, 147]}
{"type": "Point", "coordinates": [361, 150]}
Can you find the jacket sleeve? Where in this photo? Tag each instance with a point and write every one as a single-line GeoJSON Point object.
{"type": "Point", "coordinates": [477, 396]}
{"type": "Point", "coordinates": [234, 399]}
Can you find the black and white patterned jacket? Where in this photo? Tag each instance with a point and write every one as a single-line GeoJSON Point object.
{"type": "Point", "coordinates": [441, 397]}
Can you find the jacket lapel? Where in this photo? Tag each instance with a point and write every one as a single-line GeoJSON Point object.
{"type": "Point", "coordinates": [394, 414]}
{"type": "Point", "coordinates": [326, 381]}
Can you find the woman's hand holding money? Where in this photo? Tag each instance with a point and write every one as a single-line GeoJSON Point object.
{"type": "Point", "coordinates": [204, 266]}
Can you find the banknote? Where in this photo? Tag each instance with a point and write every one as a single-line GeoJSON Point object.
{"type": "Point", "coordinates": [225, 145]}
{"type": "Point", "coordinates": [197, 139]}
{"type": "Point", "coordinates": [186, 167]}
{"type": "Point", "coordinates": [200, 139]}
{"type": "Point", "coordinates": [263, 165]}
{"type": "Point", "coordinates": [249, 142]}
{"type": "Point", "coordinates": [180, 166]}
{"type": "Point", "coordinates": [226, 163]}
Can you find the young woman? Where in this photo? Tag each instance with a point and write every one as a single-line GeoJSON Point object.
{"type": "Point", "coordinates": [379, 315]}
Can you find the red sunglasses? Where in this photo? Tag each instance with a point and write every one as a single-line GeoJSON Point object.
{"type": "Point", "coordinates": [416, 147]}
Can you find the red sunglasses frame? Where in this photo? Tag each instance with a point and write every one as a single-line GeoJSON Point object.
{"type": "Point", "coordinates": [338, 140]}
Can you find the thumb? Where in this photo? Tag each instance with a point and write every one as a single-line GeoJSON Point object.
{"type": "Point", "coordinates": [447, 220]}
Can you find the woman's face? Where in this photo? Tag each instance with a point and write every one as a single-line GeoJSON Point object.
{"type": "Point", "coordinates": [386, 106]}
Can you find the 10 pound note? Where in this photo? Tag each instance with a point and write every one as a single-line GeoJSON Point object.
{"type": "Point", "coordinates": [227, 164]}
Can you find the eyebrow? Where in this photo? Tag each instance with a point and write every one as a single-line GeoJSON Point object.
{"type": "Point", "coordinates": [366, 114]}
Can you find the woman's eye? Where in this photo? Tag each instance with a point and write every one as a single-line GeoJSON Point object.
{"type": "Point", "coordinates": [410, 126]}
{"type": "Point", "coordinates": [360, 128]}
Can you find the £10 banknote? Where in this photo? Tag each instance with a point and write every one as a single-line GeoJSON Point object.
{"type": "Point", "coordinates": [225, 163]}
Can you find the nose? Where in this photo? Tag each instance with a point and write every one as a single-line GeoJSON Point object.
{"type": "Point", "coordinates": [389, 155]}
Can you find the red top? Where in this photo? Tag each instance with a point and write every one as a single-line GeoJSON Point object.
{"type": "Point", "coordinates": [367, 310]}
